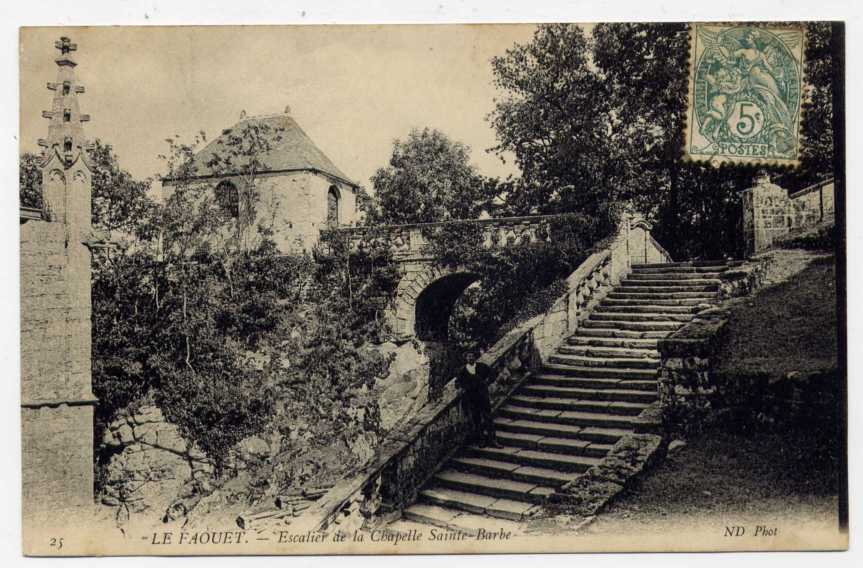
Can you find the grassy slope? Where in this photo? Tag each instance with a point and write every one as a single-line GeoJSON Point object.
{"type": "Point", "coordinates": [787, 327]}
{"type": "Point", "coordinates": [747, 475]}
{"type": "Point", "coordinates": [734, 477]}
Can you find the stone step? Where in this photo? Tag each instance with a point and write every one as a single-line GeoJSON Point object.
{"type": "Point", "coordinates": [613, 342]}
{"type": "Point", "coordinates": [509, 470]}
{"type": "Point", "coordinates": [639, 316]}
{"type": "Point", "coordinates": [571, 417]}
{"type": "Point", "coordinates": [448, 518]}
{"type": "Point", "coordinates": [553, 444]}
{"type": "Point", "coordinates": [596, 447]}
{"type": "Point", "coordinates": [674, 275]}
{"type": "Point", "coordinates": [562, 380]}
{"type": "Point", "coordinates": [565, 358]}
{"type": "Point", "coordinates": [670, 284]}
{"type": "Point", "coordinates": [474, 503]}
{"type": "Point", "coordinates": [567, 462]}
{"type": "Point", "coordinates": [611, 332]}
{"type": "Point", "coordinates": [653, 288]}
{"type": "Point", "coordinates": [644, 295]}
{"type": "Point", "coordinates": [633, 325]}
{"type": "Point", "coordinates": [623, 395]}
{"type": "Point", "coordinates": [682, 264]}
{"type": "Point", "coordinates": [492, 486]}
{"type": "Point", "coordinates": [648, 302]}
{"type": "Point", "coordinates": [565, 365]}
{"type": "Point", "coordinates": [716, 269]}
{"type": "Point", "coordinates": [643, 307]}
{"type": "Point", "coordinates": [609, 352]}
{"type": "Point", "coordinates": [557, 403]}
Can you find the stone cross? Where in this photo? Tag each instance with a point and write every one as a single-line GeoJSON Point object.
{"type": "Point", "coordinates": [65, 45]}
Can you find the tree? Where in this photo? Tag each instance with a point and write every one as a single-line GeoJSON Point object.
{"type": "Point", "coordinates": [817, 124]}
{"type": "Point", "coordinates": [120, 203]}
{"type": "Point", "coordinates": [429, 178]}
{"type": "Point", "coordinates": [646, 67]}
{"type": "Point", "coordinates": [554, 117]}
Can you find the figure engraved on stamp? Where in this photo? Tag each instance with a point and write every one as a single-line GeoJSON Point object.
{"type": "Point", "coordinates": [745, 94]}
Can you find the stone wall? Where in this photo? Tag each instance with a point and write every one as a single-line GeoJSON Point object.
{"type": "Point", "coordinates": [687, 382]}
{"type": "Point", "coordinates": [694, 392]}
{"type": "Point", "coordinates": [56, 463]}
{"type": "Point", "coordinates": [815, 203]}
{"type": "Point", "coordinates": [56, 391]}
{"type": "Point", "coordinates": [294, 206]}
{"type": "Point", "coordinates": [771, 215]}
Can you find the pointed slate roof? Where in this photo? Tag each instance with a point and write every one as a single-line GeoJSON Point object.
{"type": "Point", "coordinates": [294, 152]}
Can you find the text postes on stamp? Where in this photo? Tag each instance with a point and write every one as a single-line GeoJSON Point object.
{"type": "Point", "coordinates": [745, 93]}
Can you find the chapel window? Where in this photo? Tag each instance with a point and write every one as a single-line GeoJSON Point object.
{"type": "Point", "coordinates": [228, 199]}
{"type": "Point", "coordinates": [333, 206]}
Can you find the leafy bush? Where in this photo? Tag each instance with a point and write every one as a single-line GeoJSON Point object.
{"type": "Point", "coordinates": [227, 335]}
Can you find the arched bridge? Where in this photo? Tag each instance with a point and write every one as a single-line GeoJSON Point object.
{"type": "Point", "coordinates": [428, 289]}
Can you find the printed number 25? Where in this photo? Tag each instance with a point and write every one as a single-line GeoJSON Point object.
{"type": "Point", "coordinates": [56, 543]}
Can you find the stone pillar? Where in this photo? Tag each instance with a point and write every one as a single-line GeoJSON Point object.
{"type": "Point", "coordinates": [766, 209]}
{"type": "Point", "coordinates": [56, 377]}
{"type": "Point", "coordinates": [621, 250]}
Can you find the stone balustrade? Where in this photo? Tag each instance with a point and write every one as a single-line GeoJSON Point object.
{"type": "Point", "coordinates": [411, 454]}
{"type": "Point", "coordinates": [410, 241]}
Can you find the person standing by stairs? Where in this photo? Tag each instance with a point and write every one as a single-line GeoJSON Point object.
{"type": "Point", "coordinates": [473, 379]}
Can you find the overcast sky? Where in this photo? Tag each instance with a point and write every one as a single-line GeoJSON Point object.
{"type": "Point", "coordinates": [354, 89]}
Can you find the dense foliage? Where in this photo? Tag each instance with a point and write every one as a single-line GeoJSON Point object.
{"type": "Point", "coordinates": [429, 178]}
{"type": "Point", "coordinates": [600, 118]}
{"type": "Point", "coordinates": [30, 181]}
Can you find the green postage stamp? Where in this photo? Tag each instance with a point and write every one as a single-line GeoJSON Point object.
{"type": "Point", "coordinates": [745, 93]}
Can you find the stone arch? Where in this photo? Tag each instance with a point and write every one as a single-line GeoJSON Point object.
{"type": "Point", "coordinates": [57, 176]}
{"type": "Point", "coordinates": [432, 289]}
{"type": "Point", "coordinates": [640, 223]}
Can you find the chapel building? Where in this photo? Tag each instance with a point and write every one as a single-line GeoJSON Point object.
{"type": "Point", "coordinates": [300, 190]}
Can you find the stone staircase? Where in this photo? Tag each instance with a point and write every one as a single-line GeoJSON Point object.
{"type": "Point", "coordinates": [567, 416]}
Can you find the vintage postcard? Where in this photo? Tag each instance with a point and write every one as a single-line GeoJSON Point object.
{"type": "Point", "coordinates": [433, 288]}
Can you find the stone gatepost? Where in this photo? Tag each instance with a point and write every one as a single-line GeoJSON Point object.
{"type": "Point", "coordinates": [766, 218]}
{"type": "Point", "coordinates": [56, 377]}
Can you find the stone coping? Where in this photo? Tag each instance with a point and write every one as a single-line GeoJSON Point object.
{"type": "Point", "coordinates": [697, 338]}
{"type": "Point", "coordinates": [810, 189]}
{"type": "Point", "coordinates": [586, 267]}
